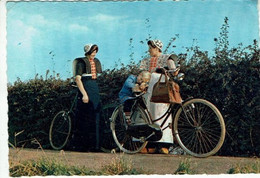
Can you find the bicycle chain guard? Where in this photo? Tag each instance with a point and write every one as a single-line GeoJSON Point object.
{"type": "Point", "coordinates": [151, 132]}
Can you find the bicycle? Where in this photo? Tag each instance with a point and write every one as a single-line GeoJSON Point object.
{"type": "Point", "coordinates": [62, 127]}
{"type": "Point", "coordinates": [197, 125]}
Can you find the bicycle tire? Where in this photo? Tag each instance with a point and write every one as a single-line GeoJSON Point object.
{"type": "Point", "coordinates": [60, 130]}
{"type": "Point", "coordinates": [124, 141]}
{"type": "Point", "coordinates": [201, 130]}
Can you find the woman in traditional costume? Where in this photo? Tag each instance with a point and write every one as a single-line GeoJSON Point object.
{"type": "Point", "coordinates": [85, 71]}
{"type": "Point", "coordinates": [158, 60]}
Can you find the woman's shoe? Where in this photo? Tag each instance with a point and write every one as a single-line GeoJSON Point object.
{"type": "Point", "coordinates": [144, 151]}
{"type": "Point", "coordinates": [164, 151]}
{"type": "Point", "coordinates": [151, 150]}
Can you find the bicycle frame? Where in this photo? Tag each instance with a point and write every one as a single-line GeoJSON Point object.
{"type": "Point", "coordinates": [74, 103]}
{"type": "Point", "coordinates": [172, 109]}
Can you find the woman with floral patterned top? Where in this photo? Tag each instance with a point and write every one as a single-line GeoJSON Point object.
{"type": "Point", "coordinates": [158, 60]}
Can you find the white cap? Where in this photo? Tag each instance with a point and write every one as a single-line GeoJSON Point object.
{"type": "Point", "coordinates": [156, 43]}
{"type": "Point", "coordinates": [87, 47]}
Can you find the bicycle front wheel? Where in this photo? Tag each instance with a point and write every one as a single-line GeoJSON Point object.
{"type": "Point", "coordinates": [60, 130]}
{"type": "Point", "coordinates": [123, 139]}
{"type": "Point", "coordinates": [199, 128]}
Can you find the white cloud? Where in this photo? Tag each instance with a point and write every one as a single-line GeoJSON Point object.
{"type": "Point", "coordinates": [43, 24]}
{"type": "Point", "coordinates": [108, 22]}
{"type": "Point", "coordinates": [37, 19]}
{"type": "Point", "coordinates": [78, 28]}
{"type": "Point", "coordinates": [40, 21]}
{"type": "Point", "coordinates": [21, 33]}
{"type": "Point", "coordinates": [106, 18]}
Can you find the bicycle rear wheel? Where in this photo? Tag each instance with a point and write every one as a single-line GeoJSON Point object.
{"type": "Point", "coordinates": [60, 130]}
{"type": "Point", "coordinates": [123, 139]}
{"type": "Point", "coordinates": [199, 128]}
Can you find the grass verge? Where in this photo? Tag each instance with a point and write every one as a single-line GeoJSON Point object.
{"type": "Point", "coordinates": [121, 166]}
{"type": "Point", "coordinates": [247, 169]}
{"type": "Point", "coordinates": [46, 166]}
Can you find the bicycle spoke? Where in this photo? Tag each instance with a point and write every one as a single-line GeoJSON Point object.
{"type": "Point", "coordinates": [185, 120]}
{"type": "Point", "coordinates": [124, 140]}
{"type": "Point", "coordinates": [200, 128]}
{"type": "Point", "coordinates": [131, 144]}
{"type": "Point", "coordinates": [205, 143]}
{"type": "Point", "coordinates": [189, 115]}
{"type": "Point", "coordinates": [60, 130]}
{"type": "Point", "coordinates": [187, 133]}
{"type": "Point", "coordinates": [211, 135]}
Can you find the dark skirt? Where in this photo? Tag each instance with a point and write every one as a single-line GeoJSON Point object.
{"type": "Point", "coordinates": [92, 90]}
{"type": "Point", "coordinates": [88, 115]}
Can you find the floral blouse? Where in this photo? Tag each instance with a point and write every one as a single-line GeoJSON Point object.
{"type": "Point", "coordinates": [161, 62]}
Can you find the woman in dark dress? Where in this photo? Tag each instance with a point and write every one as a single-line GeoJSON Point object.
{"type": "Point", "coordinates": [85, 71]}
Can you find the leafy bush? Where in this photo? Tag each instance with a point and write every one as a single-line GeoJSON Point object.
{"type": "Point", "coordinates": [32, 105]}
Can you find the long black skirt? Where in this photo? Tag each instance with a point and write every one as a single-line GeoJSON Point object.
{"type": "Point", "coordinates": [88, 117]}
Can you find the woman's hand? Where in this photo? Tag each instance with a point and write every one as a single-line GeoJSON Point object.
{"type": "Point", "coordinates": [85, 99]}
{"type": "Point", "coordinates": [79, 83]}
{"type": "Point", "coordinates": [143, 86]}
{"type": "Point", "coordinates": [136, 88]}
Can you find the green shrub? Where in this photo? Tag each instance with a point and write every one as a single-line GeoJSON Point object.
{"type": "Point", "coordinates": [32, 105]}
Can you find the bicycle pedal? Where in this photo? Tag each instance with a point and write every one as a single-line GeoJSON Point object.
{"type": "Point", "coordinates": [142, 139]}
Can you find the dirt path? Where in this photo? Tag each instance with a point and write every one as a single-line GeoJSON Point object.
{"type": "Point", "coordinates": [152, 163]}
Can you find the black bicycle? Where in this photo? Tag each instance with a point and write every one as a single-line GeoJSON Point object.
{"type": "Point", "coordinates": [197, 125]}
{"type": "Point", "coordinates": [62, 127]}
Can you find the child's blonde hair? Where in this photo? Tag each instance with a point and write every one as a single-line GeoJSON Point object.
{"type": "Point", "coordinates": [146, 76]}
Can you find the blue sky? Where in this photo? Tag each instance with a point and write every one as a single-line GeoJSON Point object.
{"type": "Point", "coordinates": [49, 35]}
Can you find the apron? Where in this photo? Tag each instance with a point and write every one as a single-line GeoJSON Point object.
{"type": "Point", "coordinates": [158, 109]}
{"type": "Point", "coordinates": [88, 114]}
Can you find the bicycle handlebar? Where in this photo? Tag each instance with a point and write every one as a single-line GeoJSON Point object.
{"type": "Point", "coordinates": [140, 94]}
{"type": "Point", "coordinates": [170, 73]}
{"type": "Point", "coordinates": [173, 70]}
